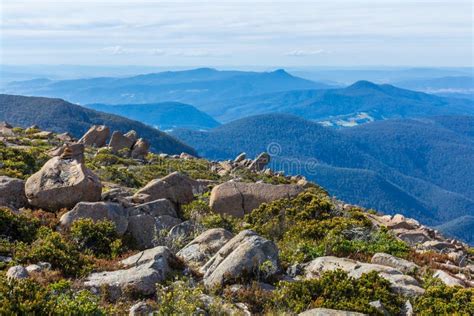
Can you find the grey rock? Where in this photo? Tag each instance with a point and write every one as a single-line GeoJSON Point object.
{"type": "Point", "coordinates": [12, 192]}
{"type": "Point", "coordinates": [240, 157]}
{"type": "Point", "coordinates": [146, 229]}
{"type": "Point", "coordinates": [379, 307]}
{"type": "Point", "coordinates": [448, 279]}
{"type": "Point", "coordinates": [244, 255]}
{"type": "Point", "coordinates": [97, 211]}
{"type": "Point", "coordinates": [33, 268]}
{"type": "Point", "coordinates": [62, 183]}
{"type": "Point", "coordinates": [239, 198]}
{"type": "Point", "coordinates": [140, 149]}
{"type": "Point", "coordinates": [204, 246]}
{"type": "Point", "coordinates": [141, 309]}
{"type": "Point", "coordinates": [96, 136]}
{"type": "Point", "coordinates": [328, 312]}
{"type": "Point", "coordinates": [132, 135]}
{"type": "Point", "coordinates": [259, 163]}
{"type": "Point", "coordinates": [17, 272]}
{"type": "Point", "coordinates": [175, 187]}
{"type": "Point", "coordinates": [144, 271]}
{"type": "Point", "coordinates": [403, 265]}
{"type": "Point", "coordinates": [155, 208]}
{"type": "Point", "coordinates": [119, 143]}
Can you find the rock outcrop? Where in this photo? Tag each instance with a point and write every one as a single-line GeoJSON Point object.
{"type": "Point", "coordinates": [147, 230]}
{"type": "Point", "coordinates": [140, 149]}
{"type": "Point", "coordinates": [245, 255]}
{"type": "Point", "coordinates": [175, 187]}
{"type": "Point", "coordinates": [403, 265]}
{"type": "Point", "coordinates": [120, 143]}
{"type": "Point", "coordinates": [12, 192]}
{"type": "Point", "coordinates": [259, 163]}
{"type": "Point", "coordinates": [97, 211]}
{"type": "Point", "coordinates": [203, 247]}
{"type": "Point", "coordinates": [143, 271]}
{"type": "Point", "coordinates": [96, 136]}
{"type": "Point", "coordinates": [62, 183]}
{"type": "Point", "coordinates": [239, 198]}
{"type": "Point", "coordinates": [328, 312]}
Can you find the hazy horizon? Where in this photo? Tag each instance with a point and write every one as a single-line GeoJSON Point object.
{"type": "Point", "coordinates": [237, 34]}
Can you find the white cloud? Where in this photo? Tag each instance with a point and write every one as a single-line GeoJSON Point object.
{"type": "Point", "coordinates": [303, 53]}
{"type": "Point", "coordinates": [114, 50]}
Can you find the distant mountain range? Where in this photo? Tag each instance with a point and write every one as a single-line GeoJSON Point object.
{"type": "Point", "coordinates": [419, 167]}
{"type": "Point", "coordinates": [202, 87]}
{"type": "Point", "coordinates": [361, 102]}
{"type": "Point", "coordinates": [60, 116]}
{"type": "Point", "coordinates": [164, 116]}
{"type": "Point", "coordinates": [458, 86]}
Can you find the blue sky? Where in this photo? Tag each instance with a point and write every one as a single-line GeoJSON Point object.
{"type": "Point", "coordinates": [236, 33]}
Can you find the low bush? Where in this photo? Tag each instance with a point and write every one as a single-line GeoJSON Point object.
{"type": "Point", "coordinates": [336, 290]}
{"type": "Point", "coordinates": [17, 227]}
{"type": "Point", "coordinates": [99, 238]}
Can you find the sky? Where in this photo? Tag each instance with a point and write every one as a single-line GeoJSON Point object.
{"type": "Point", "coordinates": [237, 33]}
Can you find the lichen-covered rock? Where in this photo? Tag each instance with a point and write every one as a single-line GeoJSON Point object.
{"type": "Point", "coordinates": [403, 265]}
{"type": "Point", "coordinates": [204, 246]}
{"type": "Point", "coordinates": [143, 271]}
{"type": "Point", "coordinates": [146, 229]}
{"type": "Point", "coordinates": [97, 211]}
{"type": "Point", "coordinates": [140, 149]}
{"type": "Point", "coordinates": [62, 183]}
{"type": "Point", "coordinates": [245, 255]}
{"type": "Point", "coordinates": [17, 272]}
{"type": "Point", "coordinates": [12, 192]}
{"type": "Point", "coordinates": [119, 143]}
{"type": "Point", "coordinates": [239, 198]}
{"type": "Point", "coordinates": [96, 136]}
{"type": "Point", "coordinates": [175, 187]}
{"type": "Point", "coordinates": [400, 283]}
{"type": "Point", "coordinates": [328, 312]}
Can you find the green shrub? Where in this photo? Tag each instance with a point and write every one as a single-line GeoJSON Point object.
{"type": "Point", "coordinates": [440, 299]}
{"type": "Point", "coordinates": [21, 163]}
{"type": "Point", "coordinates": [179, 298]}
{"type": "Point", "coordinates": [336, 290]}
{"type": "Point", "coordinates": [17, 227]}
{"type": "Point", "coordinates": [52, 247]}
{"type": "Point", "coordinates": [26, 297]}
{"type": "Point", "coordinates": [100, 238]}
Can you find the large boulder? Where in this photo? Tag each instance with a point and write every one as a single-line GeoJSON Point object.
{"type": "Point", "coordinates": [245, 255]}
{"type": "Point", "coordinates": [175, 187]}
{"type": "Point", "coordinates": [239, 198]}
{"type": "Point", "coordinates": [328, 312]}
{"type": "Point", "coordinates": [448, 279]}
{"type": "Point", "coordinates": [140, 149]}
{"type": "Point", "coordinates": [259, 163]}
{"type": "Point", "coordinates": [400, 283]}
{"type": "Point", "coordinates": [62, 183]}
{"type": "Point", "coordinates": [119, 142]}
{"type": "Point", "coordinates": [155, 208]}
{"type": "Point", "coordinates": [97, 211]}
{"type": "Point", "coordinates": [6, 129]}
{"type": "Point", "coordinates": [143, 271]}
{"type": "Point", "coordinates": [403, 265]}
{"type": "Point", "coordinates": [204, 246]}
{"type": "Point", "coordinates": [96, 136]}
{"type": "Point", "coordinates": [12, 192]}
{"type": "Point", "coordinates": [146, 230]}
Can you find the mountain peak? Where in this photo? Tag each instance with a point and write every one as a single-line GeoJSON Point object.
{"type": "Point", "coordinates": [364, 84]}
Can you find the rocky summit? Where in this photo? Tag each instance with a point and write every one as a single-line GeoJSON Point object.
{"type": "Point", "coordinates": [101, 225]}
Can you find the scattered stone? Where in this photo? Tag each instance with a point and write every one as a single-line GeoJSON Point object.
{"type": "Point", "coordinates": [328, 312]}
{"type": "Point", "coordinates": [97, 211]}
{"type": "Point", "coordinates": [407, 309]}
{"type": "Point", "coordinates": [12, 192]}
{"type": "Point", "coordinates": [44, 265]}
{"type": "Point", "coordinates": [132, 135]}
{"type": "Point", "coordinates": [120, 143]}
{"type": "Point", "coordinates": [17, 272]}
{"type": "Point", "coordinates": [413, 237]}
{"type": "Point", "coordinates": [140, 149]}
{"type": "Point", "coordinates": [239, 198]}
{"type": "Point", "coordinates": [186, 156]}
{"type": "Point", "coordinates": [155, 208]}
{"type": "Point", "coordinates": [31, 129]}
{"type": "Point", "coordinates": [436, 245]}
{"type": "Point", "coordinates": [96, 136]}
{"type": "Point", "coordinates": [203, 247]}
{"type": "Point", "coordinates": [43, 134]}
{"type": "Point", "coordinates": [244, 255]}
{"type": "Point", "coordinates": [146, 229]}
{"type": "Point", "coordinates": [33, 268]}
{"type": "Point", "coordinates": [183, 231]}
{"type": "Point", "coordinates": [5, 259]}
{"type": "Point", "coordinates": [141, 309]}
{"type": "Point", "coordinates": [240, 157]}
{"type": "Point", "coordinates": [65, 137]}
{"type": "Point", "coordinates": [260, 162]}
{"type": "Point", "coordinates": [62, 183]}
{"type": "Point", "coordinates": [144, 270]}
{"type": "Point", "coordinates": [379, 307]}
{"type": "Point", "coordinates": [403, 265]}
{"type": "Point", "coordinates": [448, 279]}
{"type": "Point", "coordinates": [175, 187]}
